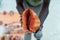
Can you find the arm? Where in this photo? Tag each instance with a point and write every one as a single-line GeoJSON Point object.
{"type": "Point", "coordinates": [20, 7]}
{"type": "Point", "coordinates": [44, 12]}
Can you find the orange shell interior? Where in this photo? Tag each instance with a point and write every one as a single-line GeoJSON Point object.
{"type": "Point", "coordinates": [33, 21]}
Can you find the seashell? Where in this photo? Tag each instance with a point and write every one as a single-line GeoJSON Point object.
{"type": "Point", "coordinates": [30, 20]}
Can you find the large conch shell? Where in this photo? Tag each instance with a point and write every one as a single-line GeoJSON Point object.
{"type": "Point", "coordinates": [30, 21]}
{"type": "Point", "coordinates": [10, 22]}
